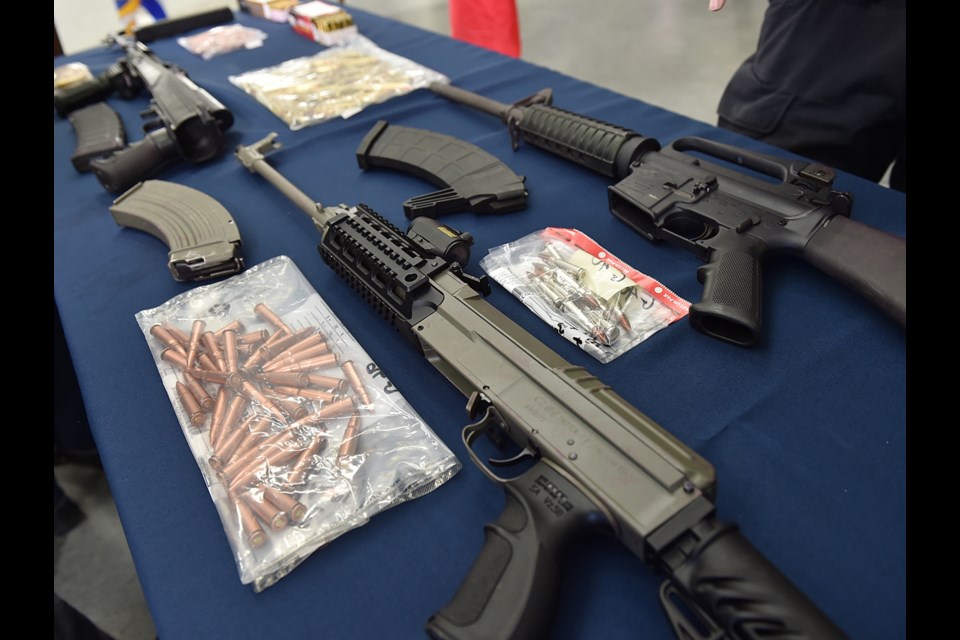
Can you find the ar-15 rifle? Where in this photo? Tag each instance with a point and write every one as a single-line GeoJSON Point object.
{"type": "Point", "coordinates": [188, 123]}
{"type": "Point", "coordinates": [730, 219]}
{"type": "Point", "coordinates": [600, 463]}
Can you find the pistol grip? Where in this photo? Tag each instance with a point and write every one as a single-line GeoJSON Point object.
{"type": "Point", "coordinates": [731, 304]}
{"type": "Point", "coordinates": [511, 588]}
{"type": "Point", "coordinates": [127, 167]}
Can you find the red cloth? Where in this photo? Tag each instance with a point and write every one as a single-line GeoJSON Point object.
{"type": "Point", "coordinates": [491, 24]}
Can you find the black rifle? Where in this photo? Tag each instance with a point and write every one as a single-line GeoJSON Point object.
{"type": "Point", "coordinates": [601, 464]}
{"type": "Point", "coordinates": [730, 219]}
{"type": "Point", "coordinates": [187, 122]}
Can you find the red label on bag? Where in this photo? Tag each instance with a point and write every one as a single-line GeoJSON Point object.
{"type": "Point", "coordinates": [655, 288]}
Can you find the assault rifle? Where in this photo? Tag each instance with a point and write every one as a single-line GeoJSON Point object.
{"type": "Point", "coordinates": [600, 464]}
{"type": "Point", "coordinates": [727, 218]}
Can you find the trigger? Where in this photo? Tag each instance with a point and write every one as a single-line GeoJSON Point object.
{"type": "Point", "coordinates": [526, 454]}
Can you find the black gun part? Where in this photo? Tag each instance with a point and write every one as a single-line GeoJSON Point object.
{"type": "Point", "coordinates": [727, 218]}
{"type": "Point", "coordinates": [473, 179]}
{"type": "Point", "coordinates": [202, 236]}
{"type": "Point", "coordinates": [99, 132]}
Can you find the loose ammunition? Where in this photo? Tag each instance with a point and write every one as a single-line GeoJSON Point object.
{"type": "Point", "coordinates": [293, 409]}
{"type": "Point", "coordinates": [268, 350]}
{"type": "Point", "coordinates": [244, 351]}
{"type": "Point", "coordinates": [259, 434]}
{"type": "Point", "coordinates": [333, 410]}
{"type": "Point", "coordinates": [204, 398]}
{"type": "Point", "coordinates": [235, 326]}
{"type": "Point", "coordinates": [190, 404]}
{"type": "Point", "coordinates": [301, 392]}
{"type": "Point", "coordinates": [213, 349]}
{"type": "Point", "coordinates": [277, 335]}
{"type": "Point", "coordinates": [333, 385]}
{"type": "Point", "coordinates": [249, 526]}
{"type": "Point", "coordinates": [174, 357]}
{"type": "Point", "coordinates": [267, 314]}
{"type": "Point", "coordinates": [237, 404]}
{"type": "Point", "coordinates": [164, 336]}
{"type": "Point", "coordinates": [348, 446]}
{"type": "Point", "coordinates": [350, 371]}
{"type": "Point", "coordinates": [216, 377]}
{"type": "Point", "coordinates": [275, 518]}
{"type": "Point", "coordinates": [229, 443]}
{"type": "Point", "coordinates": [305, 461]}
{"type": "Point", "coordinates": [297, 356]}
{"type": "Point", "coordinates": [219, 410]}
{"type": "Point", "coordinates": [207, 362]}
{"type": "Point", "coordinates": [251, 391]}
{"type": "Point", "coordinates": [242, 460]}
{"type": "Point", "coordinates": [253, 337]}
{"type": "Point", "coordinates": [320, 362]}
{"type": "Point", "coordinates": [230, 350]}
{"type": "Point", "coordinates": [195, 333]}
{"type": "Point", "coordinates": [179, 334]}
{"type": "Point", "coordinates": [293, 508]}
{"type": "Point", "coordinates": [289, 379]}
{"type": "Point", "coordinates": [273, 458]}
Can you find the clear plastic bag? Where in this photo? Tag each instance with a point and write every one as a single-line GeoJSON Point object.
{"type": "Point", "coordinates": [340, 81]}
{"type": "Point", "coordinates": [298, 434]}
{"type": "Point", "coordinates": [594, 300]}
{"type": "Point", "coordinates": [224, 39]}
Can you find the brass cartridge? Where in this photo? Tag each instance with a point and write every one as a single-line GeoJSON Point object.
{"type": "Point", "coordinates": [266, 512]}
{"type": "Point", "coordinates": [291, 408]}
{"type": "Point", "coordinates": [174, 357]}
{"type": "Point", "coordinates": [320, 362]}
{"type": "Point", "coordinates": [267, 314]}
{"type": "Point", "coordinates": [190, 404]}
{"type": "Point", "coordinates": [203, 398]}
{"type": "Point", "coordinates": [288, 504]}
{"type": "Point", "coordinates": [207, 362]}
{"type": "Point", "coordinates": [178, 334]}
{"type": "Point", "coordinates": [297, 356]}
{"type": "Point", "coordinates": [194, 346]}
{"type": "Point", "coordinates": [335, 409]}
{"type": "Point", "coordinates": [216, 377]}
{"type": "Point", "coordinates": [348, 446]}
{"type": "Point", "coordinates": [333, 385]}
{"type": "Point", "coordinates": [249, 526]}
{"type": "Point", "coordinates": [254, 337]}
{"type": "Point", "coordinates": [251, 391]}
{"type": "Point", "coordinates": [219, 410]}
{"type": "Point", "coordinates": [235, 326]}
{"type": "Point", "coordinates": [164, 336]}
{"type": "Point", "coordinates": [309, 394]}
{"type": "Point", "coordinates": [350, 371]}
{"type": "Point", "coordinates": [288, 379]}
{"type": "Point", "coordinates": [213, 349]}
{"type": "Point", "coordinates": [305, 461]}
{"type": "Point", "coordinates": [229, 443]}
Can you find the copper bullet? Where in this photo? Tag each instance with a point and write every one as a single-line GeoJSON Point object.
{"type": "Point", "coordinates": [320, 362]}
{"type": "Point", "coordinates": [243, 461]}
{"type": "Point", "coordinates": [293, 409]}
{"type": "Point", "coordinates": [311, 340]}
{"type": "Point", "coordinates": [328, 383]}
{"type": "Point", "coordinates": [309, 394]}
{"type": "Point", "coordinates": [271, 515]}
{"type": "Point", "coordinates": [207, 362]}
{"type": "Point", "coordinates": [230, 350]}
{"type": "Point", "coordinates": [272, 458]}
{"type": "Point", "coordinates": [332, 410]}
{"type": "Point", "coordinates": [249, 526]}
{"type": "Point", "coordinates": [251, 391]}
{"type": "Point", "coordinates": [195, 333]}
{"type": "Point", "coordinates": [276, 337]}
{"type": "Point", "coordinates": [203, 398]}
{"type": "Point", "coordinates": [297, 356]}
{"type": "Point", "coordinates": [350, 371]}
{"type": "Point", "coordinates": [229, 443]}
{"type": "Point", "coordinates": [267, 314]}
{"type": "Point", "coordinates": [348, 446]}
{"type": "Point", "coordinates": [236, 326]}
{"type": "Point", "coordinates": [253, 337]}
{"type": "Point", "coordinates": [244, 351]}
{"type": "Point", "coordinates": [179, 334]}
{"type": "Point", "coordinates": [272, 347]}
{"type": "Point", "coordinates": [258, 434]}
{"type": "Point", "coordinates": [213, 349]}
{"type": "Point", "coordinates": [190, 404]}
{"type": "Point", "coordinates": [174, 357]}
{"type": "Point", "coordinates": [237, 404]}
{"type": "Point", "coordinates": [164, 336]}
{"type": "Point", "coordinates": [305, 461]}
{"type": "Point", "coordinates": [216, 377]}
{"type": "Point", "coordinates": [289, 379]}
{"type": "Point", "coordinates": [293, 508]}
{"type": "Point", "coordinates": [219, 410]}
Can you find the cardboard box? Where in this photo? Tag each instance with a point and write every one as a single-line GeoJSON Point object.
{"type": "Point", "coordinates": [322, 22]}
{"type": "Point", "coordinates": [274, 10]}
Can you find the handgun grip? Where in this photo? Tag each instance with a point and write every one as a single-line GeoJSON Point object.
{"type": "Point", "coordinates": [739, 590]}
{"type": "Point", "coordinates": [68, 100]}
{"type": "Point", "coordinates": [511, 588]}
{"type": "Point", "coordinates": [871, 262]}
{"type": "Point", "coordinates": [125, 168]}
{"type": "Point", "coordinates": [731, 302]}
{"type": "Point", "coordinates": [596, 145]}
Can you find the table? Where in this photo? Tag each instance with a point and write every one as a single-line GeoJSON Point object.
{"type": "Point", "coordinates": [807, 430]}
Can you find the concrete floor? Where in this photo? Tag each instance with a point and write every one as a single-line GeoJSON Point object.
{"type": "Point", "coordinates": [672, 53]}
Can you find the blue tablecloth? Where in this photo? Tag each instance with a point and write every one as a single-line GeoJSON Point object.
{"type": "Point", "coordinates": [807, 430]}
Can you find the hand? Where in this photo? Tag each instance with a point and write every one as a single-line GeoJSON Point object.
{"type": "Point", "coordinates": [716, 5]}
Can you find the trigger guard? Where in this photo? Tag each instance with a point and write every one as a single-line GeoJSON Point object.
{"type": "Point", "coordinates": [491, 418]}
